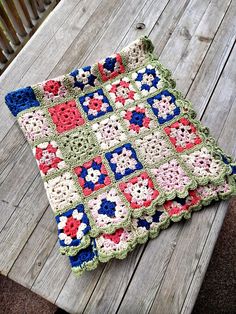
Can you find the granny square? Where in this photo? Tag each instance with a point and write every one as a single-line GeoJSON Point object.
{"type": "Point", "coordinates": [123, 161]}
{"type": "Point", "coordinates": [122, 92]}
{"type": "Point", "coordinates": [203, 165]}
{"type": "Point", "coordinates": [51, 90]}
{"type": "Point", "coordinates": [78, 145]}
{"type": "Point", "coordinates": [23, 98]}
{"type": "Point", "coordinates": [92, 175]}
{"type": "Point", "coordinates": [164, 106]}
{"type": "Point", "coordinates": [138, 119]}
{"type": "Point", "coordinates": [183, 134]}
{"type": "Point", "coordinates": [73, 228]}
{"type": "Point", "coordinates": [139, 191]}
{"type": "Point", "coordinates": [35, 125]}
{"type": "Point", "coordinates": [83, 78]}
{"type": "Point", "coordinates": [147, 80]}
{"type": "Point", "coordinates": [66, 116]}
{"type": "Point", "coordinates": [49, 157]}
{"type": "Point", "coordinates": [62, 192]}
{"type": "Point", "coordinates": [108, 212]}
{"type": "Point", "coordinates": [95, 104]}
{"type": "Point", "coordinates": [170, 176]}
{"type": "Point", "coordinates": [111, 67]}
{"type": "Point", "coordinates": [120, 152]}
{"type": "Point", "coordinates": [153, 148]}
{"type": "Point", "coordinates": [109, 132]}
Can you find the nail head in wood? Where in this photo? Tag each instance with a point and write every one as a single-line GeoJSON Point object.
{"type": "Point", "coordinates": [140, 26]}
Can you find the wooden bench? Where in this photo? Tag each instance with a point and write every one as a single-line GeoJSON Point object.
{"type": "Point", "coordinates": [195, 39]}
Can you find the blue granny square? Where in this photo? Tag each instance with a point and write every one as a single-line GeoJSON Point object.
{"type": "Point", "coordinates": [95, 104]}
{"type": "Point", "coordinates": [21, 99]}
{"type": "Point", "coordinates": [123, 161]}
{"type": "Point", "coordinates": [164, 106]}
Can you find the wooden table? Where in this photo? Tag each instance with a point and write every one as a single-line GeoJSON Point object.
{"type": "Point", "coordinates": [195, 39]}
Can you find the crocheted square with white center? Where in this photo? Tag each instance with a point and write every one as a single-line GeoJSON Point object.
{"type": "Point", "coordinates": [123, 161]}
{"type": "Point", "coordinates": [95, 104]}
{"type": "Point", "coordinates": [92, 175]}
{"type": "Point", "coordinates": [109, 132]}
{"type": "Point", "coordinates": [153, 147]}
{"type": "Point", "coordinates": [122, 92]}
{"type": "Point", "coordinates": [35, 125]}
{"type": "Point", "coordinates": [164, 106]}
{"type": "Point", "coordinates": [49, 157]}
{"type": "Point", "coordinates": [147, 80]}
{"type": "Point", "coordinates": [61, 191]}
{"type": "Point", "coordinates": [171, 177]}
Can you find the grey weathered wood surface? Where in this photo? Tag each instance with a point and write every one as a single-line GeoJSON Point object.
{"type": "Point", "coordinates": [196, 40]}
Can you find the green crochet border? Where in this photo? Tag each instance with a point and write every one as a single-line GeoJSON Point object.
{"type": "Point", "coordinates": [153, 233]}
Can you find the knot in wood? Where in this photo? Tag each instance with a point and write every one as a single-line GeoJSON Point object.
{"type": "Point", "coordinates": [140, 26]}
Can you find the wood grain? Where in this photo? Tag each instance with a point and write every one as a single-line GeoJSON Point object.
{"type": "Point", "coordinates": [196, 40]}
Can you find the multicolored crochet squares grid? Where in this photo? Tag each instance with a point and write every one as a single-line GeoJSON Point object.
{"type": "Point", "coordinates": [120, 153]}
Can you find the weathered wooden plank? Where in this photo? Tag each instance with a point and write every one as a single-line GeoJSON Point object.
{"type": "Point", "coordinates": [108, 42]}
{"type": "Point", "coordinates": [13, 190]}
{"type": "Point", "coordinates": [214, 62]}
{"type": "Point", "coordinates": [35, 252]}
{"type": "Point", "coordinates": [56, 271]}
{"type": "Point", "coordinates": [198, 45]}
{"type": "Point", "coordinates": [10, 148]}
{"type": "Point", "coordinates": [115, 279]}
{"type": "Point", "coordinates": [84, 44]}
{"type": "Point", "coordinates": [111, 291]}
{"type": "Point", "coordinates": [21, 224]}
{"type": "Point", "coordinates": [163, 29]}
{"type": "Point", "coordinates": [58, 45]}
{"type": "Point", "coordinates": [80, 290]}
{"type": "Point", "coordinates": [205, 258]}
{"type": "Point", "coordinates": [176, 46]}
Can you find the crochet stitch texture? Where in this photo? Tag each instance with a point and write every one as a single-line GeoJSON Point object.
{"type": "Point", "coordinates": [120, 152]}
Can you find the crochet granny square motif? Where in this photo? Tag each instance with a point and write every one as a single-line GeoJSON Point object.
{"type": "Point", "coordinates": [120, 152]}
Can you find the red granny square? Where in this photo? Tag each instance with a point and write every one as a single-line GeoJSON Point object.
{"type": "Point", "coordinates": [183, 134]}
{"type": "Point", "coordinates": [66, 116]}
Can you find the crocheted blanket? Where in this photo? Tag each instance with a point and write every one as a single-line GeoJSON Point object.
{"type": "Point", "coordinates": [120, 152]}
